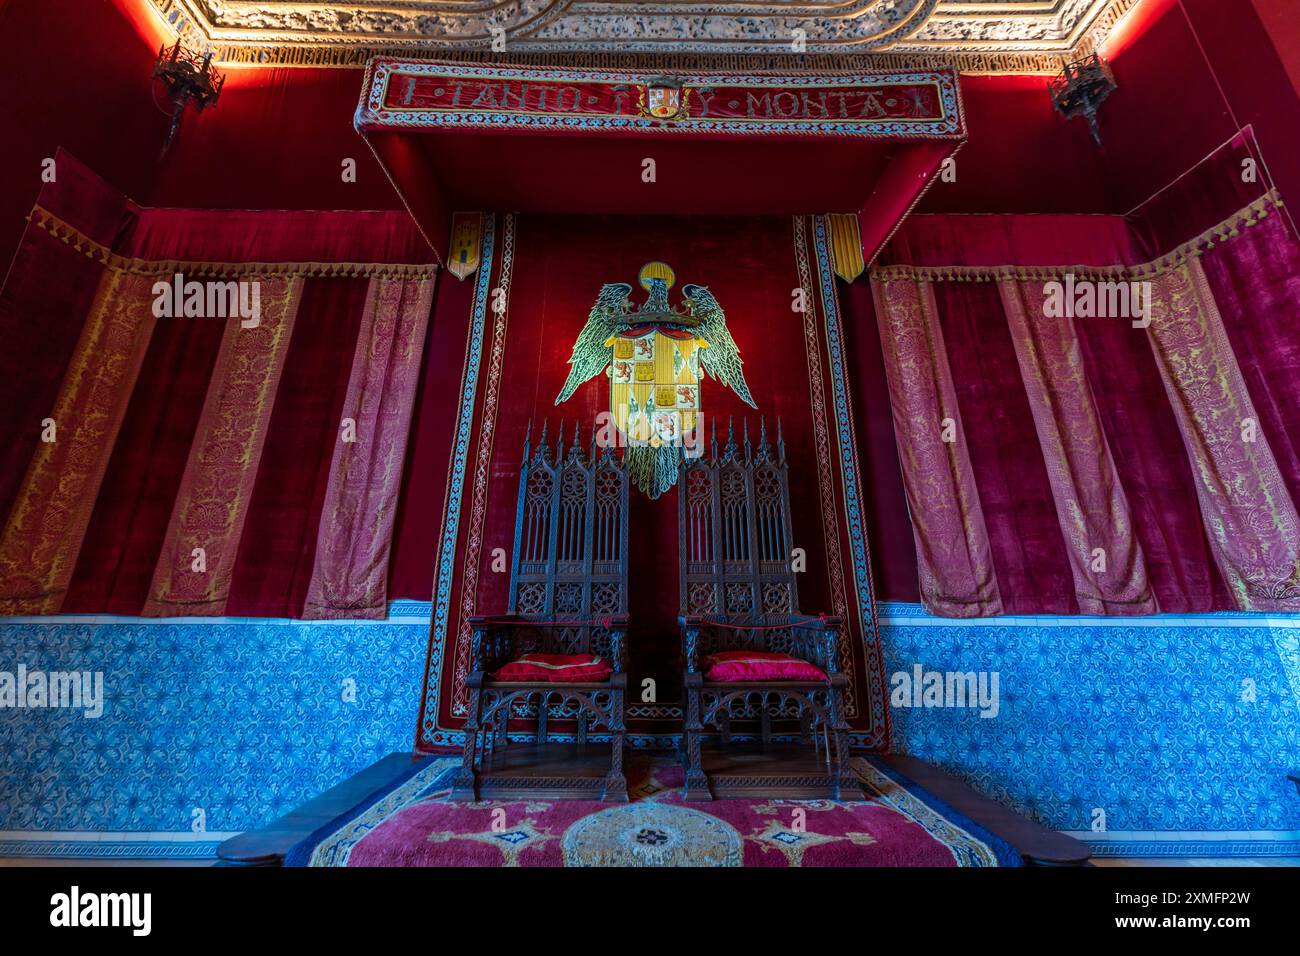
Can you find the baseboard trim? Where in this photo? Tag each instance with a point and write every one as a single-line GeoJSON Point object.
{"type": "Point", "coordinates": [91, 845]}
{"type": "Point", "coordinates": [1173, 844]}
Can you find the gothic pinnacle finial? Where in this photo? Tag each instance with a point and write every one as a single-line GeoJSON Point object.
{"type": "Point", "coordinates": [575, 450]}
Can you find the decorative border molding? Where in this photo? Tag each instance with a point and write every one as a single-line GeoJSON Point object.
{"type": "Point", "coordinates": [427, 732]}
{"type": "Point", "coordinates": [1179, 844]}
{"type": "Point", "coordinates": [992, 38]}
{"type": "Point", "coordinates": [33, 844]}
{"type": "Point", "coordinates": [850, 481]}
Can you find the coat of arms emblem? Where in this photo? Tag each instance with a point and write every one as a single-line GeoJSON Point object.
{"type": "Point", "coordinates": [663, 99]}
{"type": "Point", "coordinates": [657, 358]}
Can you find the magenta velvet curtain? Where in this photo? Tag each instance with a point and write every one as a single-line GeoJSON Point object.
{"type": "Point", "coordinates": [203, 464]}
{"type": "Point", "coordinates": [1104, 456]}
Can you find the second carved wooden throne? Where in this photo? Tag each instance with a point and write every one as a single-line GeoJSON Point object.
{"type": "Point", "coordinates": [560, 652]}
{"type": "Point", "coordinates": [763, 677]}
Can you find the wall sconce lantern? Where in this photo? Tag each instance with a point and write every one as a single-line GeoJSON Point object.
{"type": "Point", "coordinates": [1081, 88]}
{"type": "Point", "coordinates": [189, 79]}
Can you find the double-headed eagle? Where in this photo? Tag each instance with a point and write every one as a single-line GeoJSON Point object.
{"type": "Point", "coordinates": [657, 357]}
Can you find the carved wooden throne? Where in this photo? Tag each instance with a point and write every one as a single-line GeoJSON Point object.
{"type": "Point", "coordinates": [738, 593]}
{"type": "Point", "coordinates": [568, 596]}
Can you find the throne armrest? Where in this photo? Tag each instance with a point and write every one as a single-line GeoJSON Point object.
{"type": "Point", "coordinates": [691, 625]}
{"type": "Point", "coordinates": [494, 639]}
{"type": "Point", "coordinates": [618, 624]}
{"type": "Point", "coordinates": [822, 637]}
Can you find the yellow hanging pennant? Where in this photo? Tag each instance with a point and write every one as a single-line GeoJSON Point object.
{"type": "Point", "coordinates": [846, 245]}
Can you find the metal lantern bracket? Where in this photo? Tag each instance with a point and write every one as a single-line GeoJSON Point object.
{"type": "Point", "coordinates": [190, 79]}
{"type": "Point", "coordinates": [1081, 89]}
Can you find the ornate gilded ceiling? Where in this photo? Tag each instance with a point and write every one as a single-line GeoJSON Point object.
{"type": "Point", "coordinates": [997, 35]}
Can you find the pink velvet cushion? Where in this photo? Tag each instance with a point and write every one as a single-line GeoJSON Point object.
{"type": "Point", "coordinates": [557, 668]}
{"type": "Point", "coordinates": [728, 666]}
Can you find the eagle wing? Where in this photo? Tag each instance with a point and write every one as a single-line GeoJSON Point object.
{"type": "Point", "coordinates": [721, 357]}
{"type": "Point", "coordinates": [590, 353]}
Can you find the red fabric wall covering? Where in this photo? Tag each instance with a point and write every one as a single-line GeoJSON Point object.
{"type": "Point", "coordinates": [44, 306]}
{"type": "Point", "coordinates": [1021, 156]}
{"type": "Point", "coordinates": [1283, 26]}
{"type": "Point", "coordinates": [1166, 113]}
{"type": "Point", "coordinates": [999, 240]}
{"type": "Point", "coordinates": [38, 344]}
{"type": "Point", "coordinates": [1197, 71]}
{"type": "Point", "coordinates": [1204, 196]}
{"type": "Point", "coordinates": [433, 425]}
{"type": "Point", "coordinates": [1028, 549]}
{"type": "Point", "coordinates": [74, 74]}
{"type": "Point", "coordinates": [893, 554]}
{"type": "Point", "coordinates": [1185, 73]}
{"type": "Point", "coordinates": [276, 553]}
{"type": "Point", "coordinates": [1255, 84]}
{"type": "Point", "coordinates": [1152, 465]}
{"type": "Point", "coordinates": [232, 235]}
{"type": "Point", "coordinates": [1256, 284]}
{"type": "Point", "coordinates": [131, 514]}
{"type": "Point", "coordinates": [40, 319]}
{"type": "Point", "coordinates": [276, 140]}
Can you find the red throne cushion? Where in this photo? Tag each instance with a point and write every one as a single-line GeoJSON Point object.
{"type": "Point", "coordinates": [727, 666]}
{"type": "Point", "coordinates": [556, 668]}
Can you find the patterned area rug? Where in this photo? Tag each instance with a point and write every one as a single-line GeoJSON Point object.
{"type": "Point", "coordinates": [413, 824]}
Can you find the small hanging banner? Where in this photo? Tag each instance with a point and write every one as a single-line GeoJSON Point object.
{"type": "Point", "coordinates": [466, 243]}
{"type": "Point", "coordinates": [846, 245]}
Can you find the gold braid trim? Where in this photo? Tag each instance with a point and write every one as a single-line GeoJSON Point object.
{"type": "Point", "coordinates": [1229, 228]}
{"type": "Point", "coordinates": [70, 235]}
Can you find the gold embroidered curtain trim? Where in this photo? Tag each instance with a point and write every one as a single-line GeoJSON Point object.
{"type": "Point", "coordinates": [1106, 561]}
{"type": "Point", "coordinates": [39, 547]}
{"type": "Point", "coordinates": [1251, 521]}
{"type": "Point", "coordinates": [197, 563]}
{"type": "Point", "coordinates": [69, 234]}
{"type": "Point", "coordinates": [1243, 218]}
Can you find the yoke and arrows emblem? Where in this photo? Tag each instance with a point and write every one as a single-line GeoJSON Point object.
{"type": "Point", "coordinates": [657, 357]}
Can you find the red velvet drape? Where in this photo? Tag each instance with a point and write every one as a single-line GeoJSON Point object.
{"type": "Point", "coordinates": [1024, 534]}
{"type": "Point", "coordinates": [276, 556]}
{"type": "Point", "coordinates": [1256, 283]}
{"type": "Point", "coordinates": [85, 230]}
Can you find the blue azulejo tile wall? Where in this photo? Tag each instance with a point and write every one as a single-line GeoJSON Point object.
{"type": "Point", "coordinates": [1165, 735]}
{"type": "Point", "coordinates": [208, 727]}
{"type": "Point", "coordinates": [1144, 736]}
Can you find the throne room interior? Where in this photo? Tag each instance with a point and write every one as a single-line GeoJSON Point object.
{"type": "Point", "coordinates": [563, 433]}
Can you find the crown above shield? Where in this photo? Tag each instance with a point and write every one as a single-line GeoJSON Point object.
{"type": "Point", "coordinates": [657, 278]}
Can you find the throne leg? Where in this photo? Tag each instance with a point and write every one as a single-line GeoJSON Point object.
{"type": "Point", "coordinates": [697, 784]}
{"type": "Point", "coordinates": [615, 781]}
{"type": "Point", "coordinates": [464, 786]}
{"type": "Point", "coordinates": [847, 784]}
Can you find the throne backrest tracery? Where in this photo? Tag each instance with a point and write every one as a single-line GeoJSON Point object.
{"type": "Point", "coordinates": [735, 556]}
{"type": "Point", "coordinates": [571, 542]}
